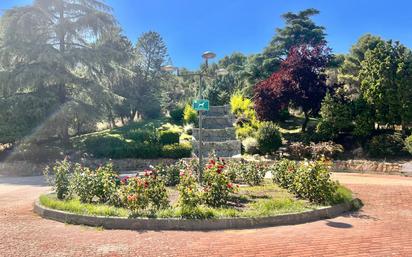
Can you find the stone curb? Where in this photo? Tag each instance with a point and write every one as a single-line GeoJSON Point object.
{"type": "Point", "coordinates": [204, 225]}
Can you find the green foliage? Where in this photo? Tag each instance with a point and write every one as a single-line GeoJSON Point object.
{"type": "Point", "coordinates": [190, 115]}
{"type": "Point", "coordinates": [251, 145]}
{"type": "Point", "coordinates": [268, 137]}
{"type": "Point", "coordinates": [169, 137]}
{"type": "Point", "coordinates": [408, 144]}
{"type": "Point", "coordinates": [335, 117]}
{"type": "Point", "coordinates": [252, 173]}
{"type": "Point", "coordinates": [364, 119]}
{"type": "Point", "coordinates": [177, 115]}
{"type": "Point", "coordinates": [283, 172]}
{"type": "Point", "coordinates": [217, 185]}
{"type": "Point", "coordinates": [386, 84]}
{"type": "Point", "coordinates": [95, 185]}
{"type": "Point", "coordinates": [147, 193]}
{"type": "Point", "coordinates": [325, 149]}
{"type": "Point", "coordinates": [169, 173]}
{"type": "Point", "coordinates": [242, 108]}
{"type": "Point", "coordinates": [312, 181]}
{"type": "Point", "coordinates": [189, 193]}
{"type": "Point", "coordinates": [177, 151]}
{"type": "Point", "coordinates": [385, 145]}
{"type": "Point", "coordinates": [60, 182]}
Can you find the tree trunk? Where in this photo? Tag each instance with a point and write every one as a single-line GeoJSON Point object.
{"type": "Point", "coordinates": [305, 122]}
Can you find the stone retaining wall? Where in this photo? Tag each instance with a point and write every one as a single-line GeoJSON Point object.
{"type": "Point", "coordinates": [366, 166]}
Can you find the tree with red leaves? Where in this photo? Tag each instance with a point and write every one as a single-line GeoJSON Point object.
{"type": "Point", "coordinates": [300, 81]}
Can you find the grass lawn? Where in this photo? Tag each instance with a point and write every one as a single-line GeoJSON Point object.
{"type": "Point", "coordinates": [250, 201]}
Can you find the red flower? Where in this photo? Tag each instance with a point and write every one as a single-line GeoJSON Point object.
{"type": "Point", "coordinates": [212, 162]}
{"type": "Point", "coordinates": [147, 173]}
{"type": "Point", "coordinates": [182, 173]}
{"type": "Point", "coordinates": [209, 166]}
{"type": "Point", "coordinates": [146, 184]}
{"type": "Point", "coordinates": [229, 185]}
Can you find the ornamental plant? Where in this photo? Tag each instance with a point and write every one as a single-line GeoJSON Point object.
{"type": "Point", "coordinates": [60, 182]}
{"type": "Point", "coordinates": [189, 193]}
{"type": "Point", "coordinates": [217, 185]}
{"type": "Point", "coordinates": [283, 173]}
{"type": "Point", "coordinates": [134, 195]}
{"type": "Point", "coordinates": [313, 182]}
{"type": "Point", "coordinates": [252, 173]}
{"type": "Point", "coordinates": [156, 190]}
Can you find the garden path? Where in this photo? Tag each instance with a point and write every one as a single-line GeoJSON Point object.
{"type": "Point", "coordinates": [382, 228]}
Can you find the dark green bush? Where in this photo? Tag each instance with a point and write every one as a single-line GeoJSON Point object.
{"type": "Point", "coordinates": [268, 137]}
{"type": "Point", "coordinates": [169, 137]}
{"type": "Point", "coordinates": [177, 151]}
{"type": "Point", "coordinates": [408, 144]}
{"type": "Point", "coordinates": [106, 146]}
{"type": "Point", "coordinates": [142, 136]}
{"type": "Point", "coordinates": [177, 115]}
{"type": "Point", "coordinates": [386, 145]}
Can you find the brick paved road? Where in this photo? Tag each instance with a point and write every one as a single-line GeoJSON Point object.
{"type": "Point", "coordinates": [382, 228]}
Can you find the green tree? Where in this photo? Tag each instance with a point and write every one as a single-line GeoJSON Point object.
{"type": "Point", "coordinates": [53, 45]}
{"type": "Point", "coordinates": [299, 29]}
{"type": "Point", "coordinates": [386, 82]}
{"type": "Point", "coordinates": [349, 71]}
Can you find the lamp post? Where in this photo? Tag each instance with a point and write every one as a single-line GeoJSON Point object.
{"type": "Point", "coordinates": [221, 72]}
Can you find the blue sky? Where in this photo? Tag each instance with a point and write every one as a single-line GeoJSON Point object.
{"type": "Point", "coordinates": [191, 27]}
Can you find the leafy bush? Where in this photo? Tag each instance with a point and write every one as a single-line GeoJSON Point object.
{"type": "Point", "coordinates": [408, 144]}
{"type": "Point", "coordinates": [299, 150]}
{"type": "Point", "coordinates": [134, 195]}
{"type": "Point", "coordinates": [147, 193]}
{"type": "Point", "coordinates": [100, 184]}
{"type": "Point", "coordinates": [251, 145]}
{"type": "Point", "coordinates": [217, 185]}
{"type": "Point", "coordinates": [252, 173]}
{"type": "Point", "coordinates": [169, 174]}
{"type": "Point", "coordinates": [313, 182]}
{"type": "Point", "coordinates": [177, 115]}
{"type": "Point", "coordinates": [142, 136]}
{"type": "Point", "coordinates": [177, 151]}
{"type": "Point", "coordinates": [169, 137]}
{"type": "Point", "coordinates": [60, 182]}
{"type": "Point", "coordinates": [325, 149]}
{"type": "Point", "coordinates": [247, 123]}
{"type": "Point", "coordinates": [283, 173]}
{"type": "Point", "coordinates": [190, 115]}
{"type": "Point", "coordinates": [189, 193]}
{"type": "Point", "coordinates": [385, 145]}
{"type": "Point", "coordinates": [104, 145]}
{"type": "Point", "coordinates": [268, 137]}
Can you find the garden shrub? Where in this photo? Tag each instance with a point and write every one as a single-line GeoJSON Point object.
{"type": "Point", "coordinates": [142, 136]}
{"type": "Point", "coordinates": [251, 145]}
{"type": "Point", "coordinates": [283, 172]}
{"type": "Point", "coordinates": [60, 182]}
{"type": "Point", "coordinates": [147, 193]}
{"type": "Point", "coordinates": [247, 123]}
{"type": "Point", "coordinates": [408, 144]}
{"type": "Point", "coordinates": [169, 137]}
{"type": "Point", "coordinates": [252, 173]}
{"type": "Point", "coordinates": [385, 145]}
{"type": "Point", "coordinates": [177, 151]}
{"type": "Point", "coordinates": [325, 149]}
{"type": "Point", "coordinates": [134, 195]}
{"type": "Point", "coordinates": [177, 114]}
{"type": "Point", "coordinates": [189, 193]}
{"type": "Point", "coordinates": [190, 115]}
{"type": "Point", "coordinates": [169, 174]}
{"type": "Point", "coordinates": [104, 145]}
{"type": "Point", "coordinates": [268, 137]}
{"type": "Point", "coordinates": [299, 150]}
{"type": "Point", "coordinates": [217, 185]}
{"type": "Point", "coordinates": [312, 181]}
{"type": "Point", "coordinates": [95, 185]}
{"type": "Point", "coordinates": [232, 170]}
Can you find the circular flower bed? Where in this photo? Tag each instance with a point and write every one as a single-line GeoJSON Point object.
{"type": "Point", "coordinates": [234, 190]}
